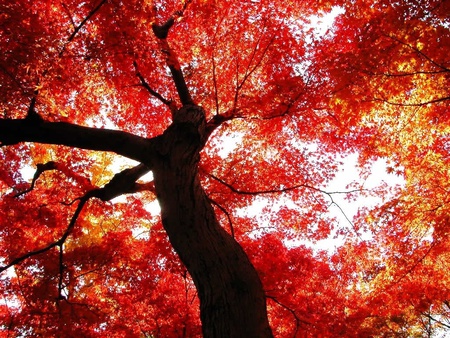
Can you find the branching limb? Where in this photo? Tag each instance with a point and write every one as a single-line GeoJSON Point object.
{"type": "Point", "coordinates": [216, 121]}
{"type": "Point", "coordinates": [272, 191]}
{"type": "Point", "coordinates": [418, 51]}
{"type": "Point", "coordinates": [40, 169]}
{"type": "Point", "coordinates": [60, 241]}
{"type": "Point", "coordinates": [250, 69]}
{"type": "Point", "coordinates": [124, 183]}
{"type": "Point", "coordinates": [121, 183]}
{"type": "Point", "coordinates": [439, 322]}
{"type": "Point", "coordinates": [294, 187]}
{"type": "Point", "coordinates": [414, 104]}
{"type": "Point", "coordinates": [256, 192]}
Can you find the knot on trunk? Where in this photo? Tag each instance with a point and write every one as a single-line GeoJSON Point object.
{"type": "Point", "coordinates": [186, 136]}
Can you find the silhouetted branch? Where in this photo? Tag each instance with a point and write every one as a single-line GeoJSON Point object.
{"type": "Point", "coordinates": [63, 133]}
{"type": "Point", "coordinates": [298, 320]}
{"type": "Point", "coordinates": [145, 84]}
{"type": "Point", "coordinates": [121, 183]}
{"type": "Point", "coordinates": [418, 51]}
{"type": "Point", "coordinates": [294, 187]}
{"type": "Point", "coordinates": [60, 241]}
{"type": "Point", "coordinates": [39, 170]}
{"type": "Point", "coordinates": [273, 191]}
{"type": "Point", "coordinates": [255, 192]}
{"type": "Point", "coordinates": [82, 23]}
{"type": "Point", "coordinates": [227, 214]}
{"type": "Point", "coordinates": [436, 320]}
{"type": "Point", "coordinates": [420, 260]}
{"type": "Point", "coordinates": [161, 32]}
{"type": "Point", "coordinates": [124, 183]}
{"type": "Point", "coordinates": [418, 104]}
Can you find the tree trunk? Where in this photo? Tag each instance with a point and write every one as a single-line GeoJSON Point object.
{"type": "Point", "coordinates": [232, 300]}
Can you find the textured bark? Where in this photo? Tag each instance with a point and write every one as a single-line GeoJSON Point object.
{"type": "Point", "coordinates": [231, 296]}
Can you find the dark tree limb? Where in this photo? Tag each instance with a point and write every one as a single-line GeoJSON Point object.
{"type": "Point", "coordinates": [82, 23]}
{"type": "Point", "coordinates": [298, 320]}
{"type": "Point", "coordinates": [51, 165]}
{"type": "Point", "coordinates": [161, 32]}
{"type": "Point", "coordinates": [62, 133]}
{"type": "Point", "coordinates": [414, 104]}
{"type": "Point", "coordinates": [145, 84]}
{"type": "Point", "coordinates": [123, 183]}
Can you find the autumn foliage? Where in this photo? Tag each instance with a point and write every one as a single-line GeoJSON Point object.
{"type": "Point", "coordinates": [269, 101]}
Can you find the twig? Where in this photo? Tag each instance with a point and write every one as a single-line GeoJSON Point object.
{"type": "Point", "coordinates": [227, 214]}
{"type": "Point", "coordinates": [145, 84]}
{"type": "Point", "coordinates": [82, 23]}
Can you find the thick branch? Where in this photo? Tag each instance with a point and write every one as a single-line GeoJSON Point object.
{"type": "Point", "coordinates": [62, 133]}
{"type": "Point", "coordinates": [161, 32]}
{"type": "Point", "coordinates": [123, 183]}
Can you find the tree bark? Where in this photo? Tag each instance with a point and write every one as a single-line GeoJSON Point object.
{"type": "Point", "coordinates": [232, 300]}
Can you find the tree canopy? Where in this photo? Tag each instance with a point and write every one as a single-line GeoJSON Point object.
{"type": "Point", "coordinates": [141, 140]}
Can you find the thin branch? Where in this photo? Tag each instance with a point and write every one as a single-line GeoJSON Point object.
{"type": "Point", "coordinates": [420, 260]}
{"type": "Point", "coordinates": [418, 104]}
{"type": "Point", "coordinates": [82, 23]}
{"type": "Point", "coordinates": [298, 320]}
{"type": "Point", "coordinates": [436, 320]}
{"type": "Point", "coordinates": [69, 14]}
{"type": "Point", "coordinates": [121, 183]}
{"type": "Point", "coordinates": [418, 51]}
{"type": "Point", "coordinates": [294, 187]}
{"type": "Point", "coordinates": [274, 191]}
{"type": "Point", "coordinates": [249, 71]}
{"type": "Point", "coordinates": [145, 84]}
{"type": "Point", "coordinates": [227, 214]}
{"type": "Point", "coordinates": [405, 74]}
{"type": "Point", "coordinates": [60, 241]}
{"type": "Point", "coordinates": [256, 192]}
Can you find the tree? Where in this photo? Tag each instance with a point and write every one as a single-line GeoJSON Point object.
{"type": "Point", "coordinates": [226, 106]}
